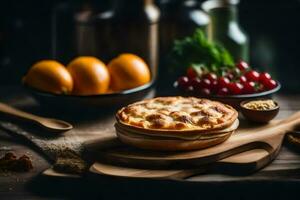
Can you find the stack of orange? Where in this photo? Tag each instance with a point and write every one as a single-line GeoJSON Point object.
{"type": "Point", "coordinates": [88, 75]}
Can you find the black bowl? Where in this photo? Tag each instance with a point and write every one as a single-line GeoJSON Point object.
{"type": "Point", "coordinates": [235, 100]}
{"type": "Point", "coordinates": [91, 102]}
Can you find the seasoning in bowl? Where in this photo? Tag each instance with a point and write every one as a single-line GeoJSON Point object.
{"type": "Point", "coordinates": [260, 110]}
{"type": "Point", "coordinates": [267, 104]}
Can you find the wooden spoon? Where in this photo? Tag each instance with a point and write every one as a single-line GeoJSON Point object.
{"type": "Point", "coordinates": [48, 123]}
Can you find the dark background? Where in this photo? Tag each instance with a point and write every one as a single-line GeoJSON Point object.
{"type": "Point", "coordinates": [26, 35]}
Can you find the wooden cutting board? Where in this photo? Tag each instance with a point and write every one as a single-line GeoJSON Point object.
{"type": "Point", "coordinates": [245, 162]}
{"type": "Point", "coordinates": [260, 144]}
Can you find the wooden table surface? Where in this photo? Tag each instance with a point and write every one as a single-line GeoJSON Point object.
{"type": "Point", "coordinates": [281, 179]}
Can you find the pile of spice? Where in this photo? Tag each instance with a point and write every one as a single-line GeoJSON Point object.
{"type": "Point", "coordinates": [10, 162]}
{"type": "Point", "coordinates": [260, 105]}
{"type": "Point", "coordinates": [66, 151]}
{"type": "Point", "coordinates": [68, 161]}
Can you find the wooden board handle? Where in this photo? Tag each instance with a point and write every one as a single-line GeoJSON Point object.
{"type": "Point", "coordinates": [272, 136]}
{"type": "Point", "coordinates": [291, 123]}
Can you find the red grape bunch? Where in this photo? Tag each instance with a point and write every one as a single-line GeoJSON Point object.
{"type": "Point", "coordinates": [239, 80]}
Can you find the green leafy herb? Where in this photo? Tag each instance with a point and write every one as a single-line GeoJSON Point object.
{"type": "Point", "coordinates": [198, 52]}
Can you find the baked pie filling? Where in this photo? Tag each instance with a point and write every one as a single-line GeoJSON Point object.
{"type": "Point", "coordinates": [177, 114]}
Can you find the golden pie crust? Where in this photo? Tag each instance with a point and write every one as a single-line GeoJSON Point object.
{"type": "Point", "coordinates": [176, 116]}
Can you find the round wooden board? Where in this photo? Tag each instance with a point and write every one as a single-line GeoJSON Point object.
{"type": "Point", "coordinates": [246, 162]}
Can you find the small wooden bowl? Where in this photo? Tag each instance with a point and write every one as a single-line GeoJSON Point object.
{"type": "Point", "coordinates": [261, 116]}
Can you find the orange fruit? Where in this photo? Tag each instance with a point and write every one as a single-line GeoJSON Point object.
{"type": "Point", "coordinates": [90, 76]}
{"type": "Point", "coordinates": [49, 76]}
{"type": "Point", "coordinates": [128, 71]}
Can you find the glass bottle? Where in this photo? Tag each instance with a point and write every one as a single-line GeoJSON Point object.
{"type": "Point", "coordinates": [135, 30]}
{"type": "Point", "coordinates": [179, 18]}
{"type": "Point", "coordinates": [225, 28]}
{"type": "Point", "coordinates": [94, 29]}
{"type": "Point", "coordinates": [191, 17]}
{"type": "Point", "coordinates": [63, 30]}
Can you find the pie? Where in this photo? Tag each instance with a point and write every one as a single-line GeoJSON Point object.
{"type": "Point", "coordinates": [182, 114]}
{"type": "Point", "coordinates": [186, 122]}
